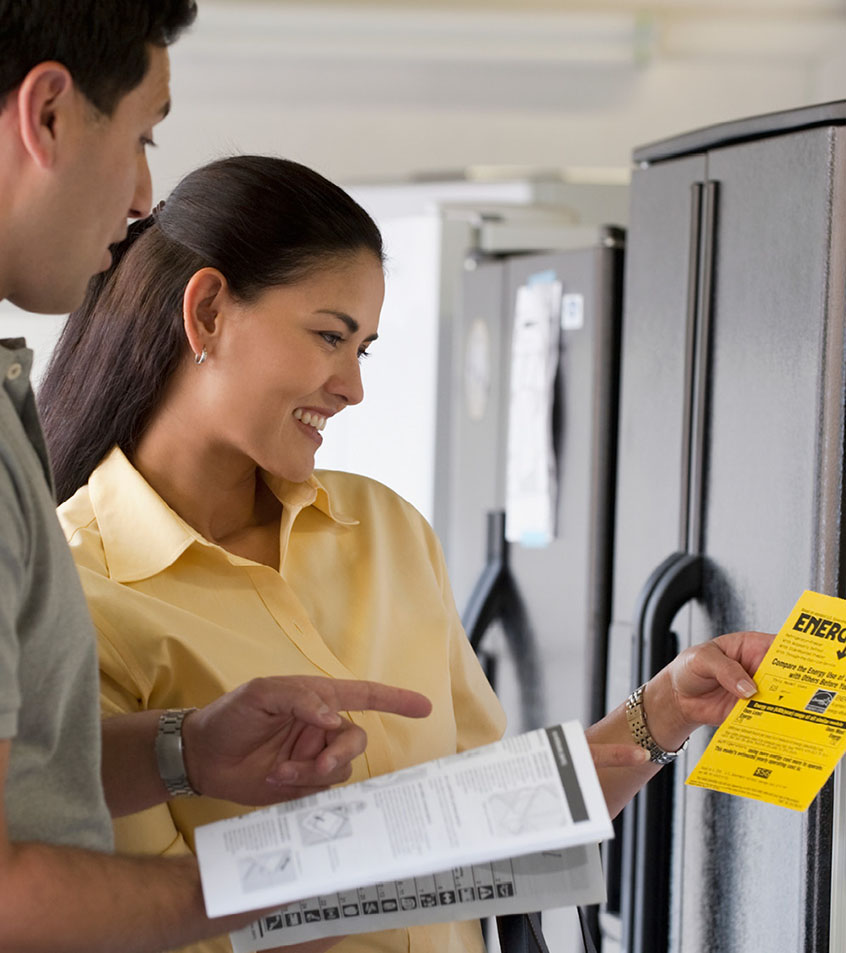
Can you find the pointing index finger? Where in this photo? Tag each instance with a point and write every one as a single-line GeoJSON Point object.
{"type": "Point", "coordinates": [353, 695]}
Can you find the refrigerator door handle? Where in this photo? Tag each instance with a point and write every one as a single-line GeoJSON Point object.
{"type": "Point", "coordinates": [496, 598]}
{"type": "Point", "coordinates": [482, 606]}
{"type": "Point", "coordinates": [679, 581]}
{"type": "Point", "coordinates": [692, 310]}
{"type": "Point", "coordinates": [647, 823]}
{"type": "Point", "coordinates": [702, 373]}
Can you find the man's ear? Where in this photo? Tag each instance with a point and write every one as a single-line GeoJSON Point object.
{"type": "Point", "coordinates": [43, 99]}
{"type": "Point", "coordinates": [203, 301]}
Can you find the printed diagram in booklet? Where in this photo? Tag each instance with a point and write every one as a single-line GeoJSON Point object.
{"type": "Point", "coordinates": [782, 744]}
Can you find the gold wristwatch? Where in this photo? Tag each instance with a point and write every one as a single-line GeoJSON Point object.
{"type": "Point", "coordinates": [640, 730]}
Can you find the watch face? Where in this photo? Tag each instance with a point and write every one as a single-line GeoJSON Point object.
{"type": "Point", "coordinates": [663, 757]}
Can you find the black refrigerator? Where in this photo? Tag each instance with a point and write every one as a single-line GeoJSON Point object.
{"type": "Point", "coordinates": [729, 503]}
{"type": "Point", "coordinates": [537, 611]}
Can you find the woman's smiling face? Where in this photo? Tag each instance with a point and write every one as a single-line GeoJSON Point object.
{"type": "Point", "coordinates": [288, 360]}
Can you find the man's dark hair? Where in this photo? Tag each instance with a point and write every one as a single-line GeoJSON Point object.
{"type": "Point", "coordinates": [103, 43]}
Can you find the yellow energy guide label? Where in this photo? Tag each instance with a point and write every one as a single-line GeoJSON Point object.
{"type": "Point", "coordinates": [782, 744]}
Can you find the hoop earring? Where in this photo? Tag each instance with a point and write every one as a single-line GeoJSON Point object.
{"type": "Point", "coordinates": [201, 358]}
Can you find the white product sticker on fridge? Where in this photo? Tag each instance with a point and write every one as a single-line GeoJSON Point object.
{"type": "Point", "coordinates": [531, 488]}
{"type": "Point", "coordinates": [572, 312]}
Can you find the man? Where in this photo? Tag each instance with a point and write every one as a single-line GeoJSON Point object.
{"type": "Point", "coordinates": [82, 85]}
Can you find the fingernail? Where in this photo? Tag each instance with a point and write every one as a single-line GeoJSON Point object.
{"type": "Point", "coordinates": [746, 688]}
{"type": "Point", "coordinates": [642, 755]}
{"type": "Point", "coordinates": [327, 716]}
{"type": "Point", "coordinates": [285, 775]}
{"type": "Point", "coordinates": [329, 765]}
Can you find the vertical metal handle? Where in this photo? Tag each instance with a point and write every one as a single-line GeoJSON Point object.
{"type": "Point", "coordinates": [496, 598]}
{"type": "Point", "coordinates": [481, 606]}
{"type": "Point", "coordinates": [647, 834]}
{"type": "Point", "coordinates": [690, 355]}
{"type": "Point", "coordinates": [701, 376]}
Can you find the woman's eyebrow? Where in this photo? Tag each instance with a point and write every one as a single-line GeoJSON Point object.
{"type": "Point", "coordinates": [350, 322]}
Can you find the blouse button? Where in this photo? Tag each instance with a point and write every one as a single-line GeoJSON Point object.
{"type": "Point", "coordinates": [14, 371]}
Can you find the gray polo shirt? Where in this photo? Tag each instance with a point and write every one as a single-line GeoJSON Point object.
{"type": "Point", "coordinates": [48, 665]}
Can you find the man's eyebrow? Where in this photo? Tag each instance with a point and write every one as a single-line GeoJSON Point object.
{"type": "Point", "coordinates": [350, 322]}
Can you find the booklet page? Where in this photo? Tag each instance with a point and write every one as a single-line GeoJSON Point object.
{"type": "Point", "coordinates": [540, 881]}
{"type": "Point", "coordinates": [523, 795]}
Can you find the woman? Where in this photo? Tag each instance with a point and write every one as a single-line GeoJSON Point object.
{"type": "Point", "coordinates": [183, 408]}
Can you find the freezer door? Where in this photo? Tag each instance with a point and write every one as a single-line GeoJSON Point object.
{"type": "Point", "coordinates": [751, 877]}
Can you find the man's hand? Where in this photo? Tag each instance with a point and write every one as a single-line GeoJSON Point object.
{"type": "Point", "coordinates": [277, 738]}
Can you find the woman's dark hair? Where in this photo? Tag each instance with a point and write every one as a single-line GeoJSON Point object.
{"type": "Point", "coordinates": [103, 43]}
{"type": "Point", "coordinates": [261, 221]}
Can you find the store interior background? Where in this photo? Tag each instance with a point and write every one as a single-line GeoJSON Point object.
{"type": "Point", "coordinates": [370, 92]}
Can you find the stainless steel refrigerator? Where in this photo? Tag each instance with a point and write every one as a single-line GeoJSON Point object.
{"type": "Point", "coordinates": [729, 502]}
{"type": "Point", "coordinates": [537, 614]}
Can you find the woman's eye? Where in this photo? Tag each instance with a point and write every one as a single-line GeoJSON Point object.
{"type": "Point", "coordinates": [363, 354]}
{"type": "Point", "coordinates": [331, 338]}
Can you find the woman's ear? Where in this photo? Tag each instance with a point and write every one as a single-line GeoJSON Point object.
{"type": "Point", "coordinates": [46, 107]}
{"type": "Point", "coordinates": [203, 303]}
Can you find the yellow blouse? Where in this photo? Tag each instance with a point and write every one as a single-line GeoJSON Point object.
{"type": "Point", "coordinates": [361, 592]}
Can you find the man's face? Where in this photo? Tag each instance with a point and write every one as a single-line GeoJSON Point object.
{"type": "Point", "coordinates": [101, 179]}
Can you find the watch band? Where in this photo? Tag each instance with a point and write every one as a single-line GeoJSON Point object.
{"type": "Point", "coordinates": [640, 730]}
{"type": "Point", "coordinates": [170, 753]}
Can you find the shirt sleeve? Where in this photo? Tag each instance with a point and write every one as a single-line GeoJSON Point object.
{"type": "Point", "coordinates": [12, 579]}
{"type": "Point", "coordinates": [123, 685]}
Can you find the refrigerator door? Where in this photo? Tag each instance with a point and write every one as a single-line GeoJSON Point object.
{"type": "Point", "coordinates": [563, 585]}
{"type": "Point", "coordinates": [746, 486]}
{"type": "Point", "coordinates": [661, 292]}
{"type": "Point", "coordinates": [750, 876]}
{"type": "Point", "coordinates": [566, 584]}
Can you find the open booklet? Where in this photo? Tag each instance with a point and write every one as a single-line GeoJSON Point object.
{"type": "Point", "coordinates": [506, 828]}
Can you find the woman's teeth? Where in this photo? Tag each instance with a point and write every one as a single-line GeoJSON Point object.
{"type": "Point", "coordinates": [313, 420]}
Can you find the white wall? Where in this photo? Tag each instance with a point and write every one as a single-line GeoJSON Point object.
{"type": "Point", "coordinates": [391, 436]}
{"type": "Point", "coordinates": [373, 92]}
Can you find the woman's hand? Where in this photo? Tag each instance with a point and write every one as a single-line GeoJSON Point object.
{"type": "Point", "coordinates": [702, 684]}
{"type": "Point", "coordinates": [699, 687]}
